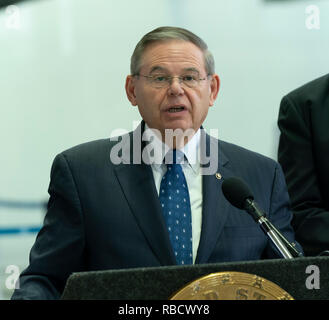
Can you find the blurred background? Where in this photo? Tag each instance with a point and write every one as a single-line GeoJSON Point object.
{"type": "Point", "coordinates": [63, 65]}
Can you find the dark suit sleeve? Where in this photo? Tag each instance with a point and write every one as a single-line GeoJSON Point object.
{"type": "Point", "coordinates": [59, 246]}
{"type": "Point", "coordinates": [295, 155]}
{"type": "Point", "coordinates": [279, 213]}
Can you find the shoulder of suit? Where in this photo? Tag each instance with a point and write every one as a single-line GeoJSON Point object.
{"type": "Point", "coordinates": [87, 147]}
{"type": "Point", "coordinates": [239, 154]}
{"type": "Point", "coordinates": [94, 150]}
{"type": "Point", "coordinates": [95, 145]}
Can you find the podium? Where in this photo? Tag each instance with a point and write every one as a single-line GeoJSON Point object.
{"type": "Point", "coordinates": [295, 276]}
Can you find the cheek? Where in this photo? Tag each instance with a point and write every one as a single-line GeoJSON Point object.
{"type": "Point", "coordinates": [148, 97]}
{"type": "Point", "coordinates": [148, 106]}
{"type": "Point", "coordinates": [200, 103]}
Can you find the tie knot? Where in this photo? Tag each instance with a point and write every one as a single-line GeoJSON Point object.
{"type": "Point", "coordinates": [174, 157]}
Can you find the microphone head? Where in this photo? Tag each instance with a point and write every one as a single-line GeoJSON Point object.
{"type": "Point", "coordinates": [236, 192]}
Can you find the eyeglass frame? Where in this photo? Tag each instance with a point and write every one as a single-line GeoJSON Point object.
{"type": "Point", "coordinates": [169, 80]}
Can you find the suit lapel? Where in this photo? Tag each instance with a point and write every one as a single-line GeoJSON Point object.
{"type": "Point", "coordinates": [215, 207]}
{"type": "Point", "coordinates": [137, 184]}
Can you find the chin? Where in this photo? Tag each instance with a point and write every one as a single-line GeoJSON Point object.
{"type": "Point", "coordinates": [182, 125]}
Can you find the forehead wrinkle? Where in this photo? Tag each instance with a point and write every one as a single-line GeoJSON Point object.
{"type": "Point", "coordinates": [165, 70]}
{"type": "Point", "coordinates": [160, 58]}
{"type": "Point", "coordinates": [180, 57]}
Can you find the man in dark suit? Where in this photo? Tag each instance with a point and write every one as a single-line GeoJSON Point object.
{"type": "Point", "coordinates": [304, 156]}
{"type": "Point", "coordinates": [107, 208]}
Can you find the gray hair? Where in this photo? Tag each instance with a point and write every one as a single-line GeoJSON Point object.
{"type": "Point", "coordinates": [170, 33]}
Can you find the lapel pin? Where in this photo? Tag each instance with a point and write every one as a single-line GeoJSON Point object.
{"type": "Point", "coordinates": [218, 176]}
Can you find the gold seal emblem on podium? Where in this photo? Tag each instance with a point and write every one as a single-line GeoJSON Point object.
{"type": "Point", "coordinates": [231, 285]}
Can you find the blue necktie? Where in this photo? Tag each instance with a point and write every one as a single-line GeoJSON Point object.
{"type": "Point", "coordinates": [175, 202]}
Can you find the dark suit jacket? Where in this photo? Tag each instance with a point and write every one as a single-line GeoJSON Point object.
{"type": "Point", "coordinates": [104, 216]}
{"type": "Point", "coordinates": [304, 156]}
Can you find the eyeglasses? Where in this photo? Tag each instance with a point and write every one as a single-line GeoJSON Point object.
{"type": "Point", "coordinates": [162, 81]}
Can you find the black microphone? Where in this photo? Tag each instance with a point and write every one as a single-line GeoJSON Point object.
{"type": "Point", "coordinates": [240, 196]}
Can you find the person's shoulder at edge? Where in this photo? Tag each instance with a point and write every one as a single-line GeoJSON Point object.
{"type": "Point", "coordinates": [313, 88]}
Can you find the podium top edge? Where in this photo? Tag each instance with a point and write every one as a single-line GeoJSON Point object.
{"type": "Point", "coordinates": [227, 265]}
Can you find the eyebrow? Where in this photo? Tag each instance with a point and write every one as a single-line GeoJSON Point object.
{"type": "Point", "coordinates": [157, 68]}
{"type": "Point", "coordinates": [162, 69]}
{"type": "Point", "coordinates": [192, 69]}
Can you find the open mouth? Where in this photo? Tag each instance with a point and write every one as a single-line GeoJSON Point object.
{"type": "Point", "coordinates": [176, 109]}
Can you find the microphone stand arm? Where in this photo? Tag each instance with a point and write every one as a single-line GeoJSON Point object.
{"type": "Point", "coordinates": [287, 250]}
{"type": "Point", "coordinates": [291, 246]}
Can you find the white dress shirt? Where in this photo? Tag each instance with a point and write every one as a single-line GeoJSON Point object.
{"type": "Point", "coordinates": [192, 172]}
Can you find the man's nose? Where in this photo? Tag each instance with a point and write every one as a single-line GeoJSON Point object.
{"type": "Point", "coordinates": [175, 87]}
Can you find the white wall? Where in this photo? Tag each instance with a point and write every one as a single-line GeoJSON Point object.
{"type": "Point", "coordinates": [63, 65]}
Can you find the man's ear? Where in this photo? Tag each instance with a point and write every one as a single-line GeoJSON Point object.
{"type": "Point", "coordinates": [214, 89]}
{"type": "Point", "coordinates": [130, 90]}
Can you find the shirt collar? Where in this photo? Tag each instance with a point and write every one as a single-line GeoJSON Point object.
{"type": "Point", "coordinates": [160, 149]}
